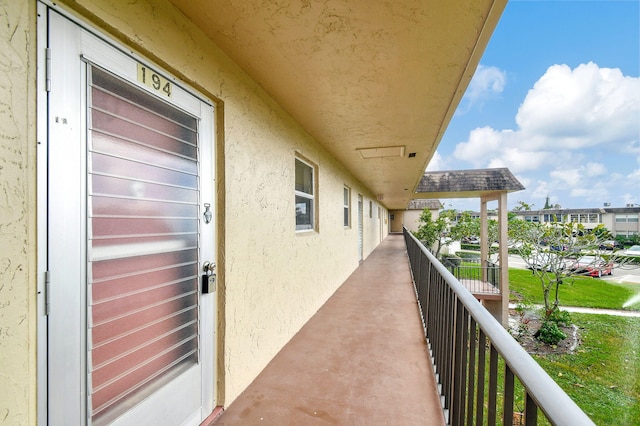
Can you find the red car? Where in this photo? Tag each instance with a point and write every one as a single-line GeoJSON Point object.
{"type": "Point", "coordinates": [592, 266]}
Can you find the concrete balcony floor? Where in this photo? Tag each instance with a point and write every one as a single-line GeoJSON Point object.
{"type": "Point", "coordinates": [360, 360]}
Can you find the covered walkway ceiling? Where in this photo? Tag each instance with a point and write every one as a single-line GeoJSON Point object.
{"type": "Point", "coordinates": [375, 82]}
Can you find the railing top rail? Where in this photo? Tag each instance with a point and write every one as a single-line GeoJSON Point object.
{"type": "Point", "coordinates": [559, 408]}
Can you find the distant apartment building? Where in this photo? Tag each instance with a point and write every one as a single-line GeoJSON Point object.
{"type": "Point", "coordinates": [620, 221]}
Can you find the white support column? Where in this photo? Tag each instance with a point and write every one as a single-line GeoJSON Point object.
{"type": "Point", "coordinates": [484, 235]}
{"type": "Point", "coordinates": [499, 308]}
{"type": "Point", "coordinates": [504, 256]}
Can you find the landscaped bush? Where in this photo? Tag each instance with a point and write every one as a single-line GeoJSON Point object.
{"type": "Point", "coordinates": [561, 318]}
{"type": "Point", "coordinates": [550, 334]}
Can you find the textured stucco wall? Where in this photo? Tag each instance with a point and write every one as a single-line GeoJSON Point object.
{"type": "Point", "coordinates": [275, 279]}
{"type": "Point", "coordinates": [412, 218]}
{"type": "Point", "coordinates": [17, 219]}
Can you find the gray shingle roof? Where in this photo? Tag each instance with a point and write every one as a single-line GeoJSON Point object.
{"type": "Point", "coordinates": [468, 183]}
{"type": "Point", "coordinates": [424, 204]}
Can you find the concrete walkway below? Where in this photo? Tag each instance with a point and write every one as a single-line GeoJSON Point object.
{"type": "Point", "coordinates": [360, 360]}
{"type": "Point", "coordinates": [598, 311]}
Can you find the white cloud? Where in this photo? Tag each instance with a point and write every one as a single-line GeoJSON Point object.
{"type": "Point", "coordinates": [488, 147]}
{"type": "Point", "coordinates": [595, 169]}
{"type": "Point", "coordinates": [483, 143]}
{"type": "Point", "coordinates": [570, 126]}
{"type": "Point", "coordinates": [436, 163]}
{"type": "Point", "coordinates": [597, 193]}
{"type": "Point", "coordinates": [575, 176]}
{"type": "Point", "coordinates": [541, 190]}
{"type": "Point", "coordinates": [582, 107]}
{"type": "Point", "coordinates": [630, 199]}
{"type": "Point", "coordinates": [571, 177]}
{"type": "Point", "coordinates": [486, 83]}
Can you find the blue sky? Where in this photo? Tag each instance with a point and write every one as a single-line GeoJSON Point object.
{"type": "Point", "coordinates": [556, 99]}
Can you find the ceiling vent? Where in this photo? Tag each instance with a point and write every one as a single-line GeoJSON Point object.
{"type": "Point", "coordinates": [381, 152]}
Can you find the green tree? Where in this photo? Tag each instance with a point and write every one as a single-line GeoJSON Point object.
{"type": "Point", "coordinates": [551, 251]}
{"type": "Point", "coordinates": [430, 231]}
{"type": "Point", "coordinates": [522, 206]}
{"type": "Point", "coordinates": [463, 225]}
{"type": "Point", "coordinates": [467, 226]}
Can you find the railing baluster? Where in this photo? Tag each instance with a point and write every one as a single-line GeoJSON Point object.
{"type": "Point", "coordinates": [457, 402]}
{"type": "Point", "coordinates": [472, 370]}
{"type": "Point", "coordinates": [530, 411]}
{"type": "Point", "coordinates": [482, 353]}
{"type": "Point", "coordinates": [507, 407]}
{"type": "Point", "coordinates": [447, 355]}
{"type": "Point", "coordinates": [493, 385]}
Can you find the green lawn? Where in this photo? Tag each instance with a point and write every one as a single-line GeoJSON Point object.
{"type": "Point", "coordinates": [603, 375]}
{"type": "Point", "coordinates": [583, 291]}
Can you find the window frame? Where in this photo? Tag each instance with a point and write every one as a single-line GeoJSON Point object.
{"type": "Point", "coordinates": [346, 207]}
{"type": "Point", "coordinates": [311, 197]}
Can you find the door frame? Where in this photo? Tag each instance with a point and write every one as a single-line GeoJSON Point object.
{"type": "Point", "coordinates": [209, 353]}
{"type": "Point", "coordinates": [360, 228]}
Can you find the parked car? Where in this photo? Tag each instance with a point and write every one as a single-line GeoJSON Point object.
{"type": "Point", "coordinates": [592, 265]}
{"type": "Point", "coordinates": [632, 251]}
{"type": "Point", "coordinates": [611, 245]}
{"type": "Point", "coordinates": [471, 240]}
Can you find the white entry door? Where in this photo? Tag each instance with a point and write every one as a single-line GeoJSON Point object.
{"type": "Point", "coordinates": [130, 334]}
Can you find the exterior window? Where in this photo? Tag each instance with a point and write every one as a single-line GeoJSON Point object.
{"type": "Point", "coordinates": [593, 218]}
{"type": "Point", "coordinates": [370, 209]}
{"type": "Point", "coordinates": [622, 218]}
{"type": "Point", "coordinates": [305, 196]}
{"type": "Point", "coordinates": [347, 207]}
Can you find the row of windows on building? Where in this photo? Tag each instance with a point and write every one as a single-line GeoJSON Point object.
{"type": "Point", "coordinates": [305, 193]}
{"type": "Point", "coordinates": [580, 218]}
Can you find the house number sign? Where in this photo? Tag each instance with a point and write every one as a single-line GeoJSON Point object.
{"type": "Point", "coordinates": [154, 81]}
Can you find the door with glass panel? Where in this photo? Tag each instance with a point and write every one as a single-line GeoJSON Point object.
{"type": "Point", "coordinates": [130, 226]}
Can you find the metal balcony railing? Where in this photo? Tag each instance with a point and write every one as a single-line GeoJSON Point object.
{"type": "Point", "coordinates": [477, 278]}
{"type": "Point", "coordinates": [482, 372]}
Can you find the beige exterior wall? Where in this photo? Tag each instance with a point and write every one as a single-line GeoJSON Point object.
{"type": "Point", "coordinates": [17, 213]}
{"type": "Point", "coordinates": [412, 218]}
{"type": "Point", "coordinates": [397, 221]}
{"type": "Point", "coordinates": [272, 279]}
{"type": "Point", "coordinates": [409, 219]}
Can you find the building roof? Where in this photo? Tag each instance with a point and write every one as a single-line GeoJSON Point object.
{"type": "Point", "coordinates": [374, 82]}
{"type": "Point", "coordinates": [467, 183]}
{"type": "Point", "coordinates": [601, 210]}
{"type": "Point", "coordinates": [424, 204]}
